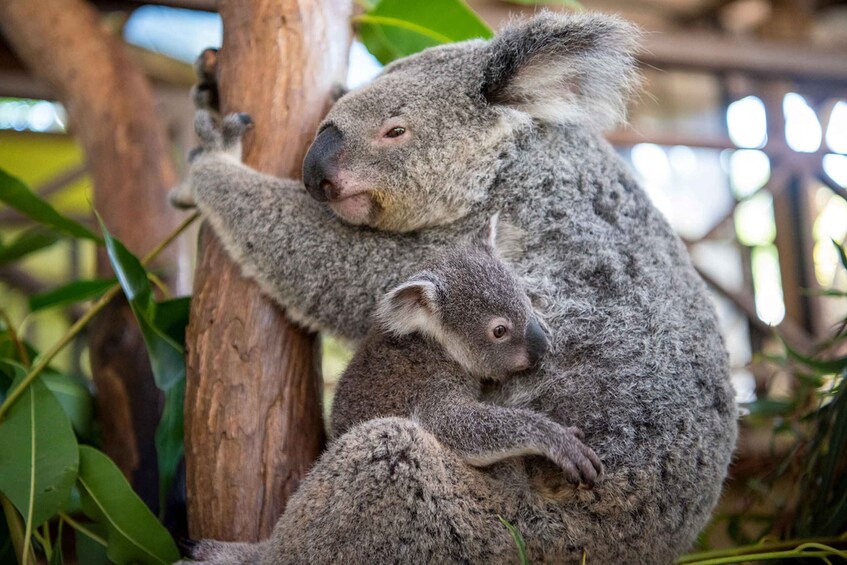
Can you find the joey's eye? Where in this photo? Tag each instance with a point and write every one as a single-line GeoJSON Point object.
{"type": "Point", "coordinates": [395, 132]}
{"type": "Point", "coordinates": [499, 331]}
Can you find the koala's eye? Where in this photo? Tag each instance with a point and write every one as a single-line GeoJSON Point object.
{"type": "Point", "coordinates": [499, 331]}
{"type": "Point", "coordinates": [395, 132]}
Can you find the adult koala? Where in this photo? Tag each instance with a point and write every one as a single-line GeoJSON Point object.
{"type": "Point", "coordinates": [400, 171]}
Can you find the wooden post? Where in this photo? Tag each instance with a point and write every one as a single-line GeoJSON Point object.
{"type": "Point", "coordinates": [253, 397]}
{"type": "Point", "coordinates": [114, 116]}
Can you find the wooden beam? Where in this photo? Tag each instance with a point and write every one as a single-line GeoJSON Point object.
{"type": "Point", "coordinates": [715, 53]}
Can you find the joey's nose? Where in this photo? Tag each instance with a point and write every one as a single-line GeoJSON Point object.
{"type": "Point", "coordinates": [536, 341]}
{"type": "Point", "coordinates": [320, 164]}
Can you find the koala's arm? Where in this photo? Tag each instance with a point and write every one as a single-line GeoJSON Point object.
{"type": "Point", "coordinates": [326, 274]}
{"type": "Point", "coordinates": [484, 434]}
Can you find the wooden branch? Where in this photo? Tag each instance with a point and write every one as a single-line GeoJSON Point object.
{"type": "Point", "coordinates": [114, 114]}
{"type": "Point", "coordinates": [253, 398]}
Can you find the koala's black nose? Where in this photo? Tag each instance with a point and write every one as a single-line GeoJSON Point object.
{"type": "Point", "coordinates": [320, 164]}
{"type": "Point", "coordinates": [536, 341]}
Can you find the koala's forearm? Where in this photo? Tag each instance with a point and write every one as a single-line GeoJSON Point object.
{"type": "Point", "coordinates": [485, 434]}
{"type": "Point", "coordinates": [328, 275]}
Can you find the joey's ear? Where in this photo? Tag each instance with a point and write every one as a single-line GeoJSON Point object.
{"type": "Point", "coordinates": [502, 238]}
{"type": "Point", "coordinates": [410, 307]}
{"type": "Point", "coordinates": [564, 68]}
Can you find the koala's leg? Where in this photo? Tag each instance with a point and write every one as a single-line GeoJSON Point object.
{"type": "Point", "coordinates": [388, 492]}
{"type": "Point", "coordinates": [325, 273]}
{"type": "Point", "coordinates": [211, 552]}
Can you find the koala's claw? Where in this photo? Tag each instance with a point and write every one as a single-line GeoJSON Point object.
{"type": "Point", "coordinates": [578, 461]}
{"type": "Point", "coordinates": [205, 93]}
{"type": "Point", "coordinates": [224, 137]}
{"type": "Point", "coordinates": [234, 126]}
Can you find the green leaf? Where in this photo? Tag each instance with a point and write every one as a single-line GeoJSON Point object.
{"type": "Point", "coordinates": [518, 538]}
{"type": "Point", "coordinates": [17, 195]}
{"type": "Point", "coordinates": [30, 241]}
{"type": "Point", "coordinates": [172, 317]}
{"type": "Point", "coordinates": [163, 329]}
{"type": "Point", "coordinates": [396, 28]}
{"type": "Point", "coordinates": [166, 355]}
{"type": "Point", "coordinates": [38, 454]}
{"type": "Point", "coordinates": [88, 551]}
{"type": "Point", "coordinates": [75, 398]}
{"type": "Point", "coordinates": [133, 533]}
{"type": "Point", "coordinates": [769, 407]}
{"type": "Point", "coordinates": [831, 366]}
{"type": "Point", "coordinates": [842, 254]}
{"type": "Point", "coordinates": [75, 291]}
{"type": "Point", "coordinates": [170, 436]}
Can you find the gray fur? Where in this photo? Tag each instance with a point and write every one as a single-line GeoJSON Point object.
{"type": "Point", "coordinates": [451, 305]}
{"type": "Point", "coordinates": [638, 361]}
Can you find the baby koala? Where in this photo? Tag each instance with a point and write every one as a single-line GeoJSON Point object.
{"type": "Point", "coordinates": [436, 338]}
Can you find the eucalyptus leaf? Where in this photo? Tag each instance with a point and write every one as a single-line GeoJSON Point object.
{"type": "Point", "coordinates": [842, 254]}
{"type": "Point", "coordinates": [396, 28]}
{"type": "Point", "coordinates": [163, 329]}
{"type": "Point", "coordinates": [166, 355]}
{"type": "Point", "coordinates": [825, 366]}
{"type": "Point", "coordinates": [172, 317]}
{"type": "Point", "coordinates": [16, 194]}
{"type": "Point", "coordinates": [71, 293]}
{"type": "Point", "coordinates": [89, 551]}
{"type": "Point", "coordinates": [30, 241]}
{"type": "Point", "coordinates": [170, 435]}
{"type": "Point", "coordinates": [38, 454]}
{"type": "Point", "coordinates": [769, 407]}
{"type": "Point", "coordinates": [518, 539]}
{"type": "Point", "coordinates": [133, 533]}
{"type": "Point", "coordinates": [75, 398]}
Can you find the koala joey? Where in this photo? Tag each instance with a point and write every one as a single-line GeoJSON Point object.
{"type": "Point", "coordinates": [463, 320]}
{"type": "Point", "coordinates": [403, 170]}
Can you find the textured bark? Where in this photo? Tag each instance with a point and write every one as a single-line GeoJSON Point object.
{"type": "Point", "coordinates": [253, 398]}
{"type": "Point", "coordinates": [113, 113]}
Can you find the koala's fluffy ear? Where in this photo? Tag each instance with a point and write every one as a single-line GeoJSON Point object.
{"type": "Point", "coordinates": [411, 306]}
{"type": "Point", "coordinates": [564, 68]}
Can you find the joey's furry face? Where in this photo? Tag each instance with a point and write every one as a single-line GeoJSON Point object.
{"type": "Point", "coordinates": [471, 304]}
{"type": "Point", "coordinates": [425, 141]}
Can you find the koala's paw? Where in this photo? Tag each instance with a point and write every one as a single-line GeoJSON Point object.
{"type": "Point", "coordinates": [211, 552]}
{"type": "Point", "coordinates": [205, 93]}
{"type": "Point", "coordinates": [219, 138]}
{"type": "Point", "coordinates": [182, 196]}
{"type": "Point", "coordinates": [578, 461]}
{"type": "Point", "coordinates": [224, 136]}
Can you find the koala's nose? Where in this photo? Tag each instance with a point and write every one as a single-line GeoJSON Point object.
{"type": "Point", "coordinates": [536, 341]}
{"type": "Point", "coordinates": [320, 164]}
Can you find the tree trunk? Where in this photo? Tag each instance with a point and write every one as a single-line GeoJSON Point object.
{"type": "Point", "coordinates": [113, 113]}
{"type": "Point", "coordinates": [253, 396]}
